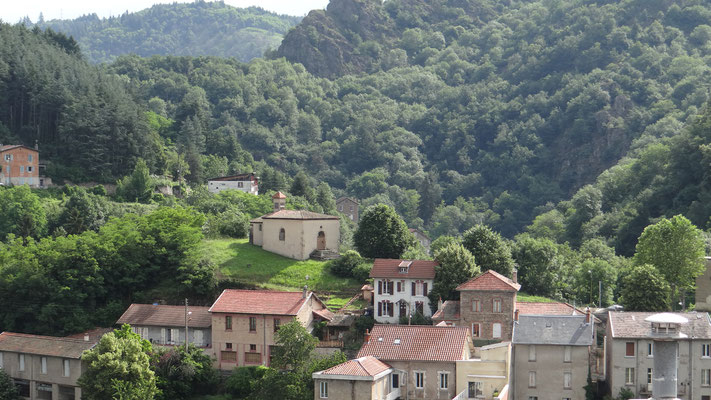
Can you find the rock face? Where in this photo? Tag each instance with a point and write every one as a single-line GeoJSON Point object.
{"type": "Point", "coordinates": [325, 41]}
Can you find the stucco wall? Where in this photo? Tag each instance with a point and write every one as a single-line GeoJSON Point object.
{"type": "Point", "coordinates": [353, 390]}
{"type": "Point", "coordinates": [406, 295]}
{"type": "Point", "coordinates": [492, 370]}
{"type": "Point", "coordinates": [159, 335]}
{"type": "Point", "coordinates": [218, 186]}
{"type": "Point", "coordinates": [241, 337]}
{"type": "Point", "coordinates": [33, 370]}
{"type": "Point", "coordinates": [11, 174]}
{"type": "Point", "coordinates": [703, 289]}
{"type": "Point", "coordinates": [257, 233]}
{"type": "Point", "coordinates": [549, 366]}
{"type": "Point", "coordinates": [431, 383]}
{"type": "Point", "coordinates": [300, 236]}
{"type": "Point", "coordinates": [487, 317]}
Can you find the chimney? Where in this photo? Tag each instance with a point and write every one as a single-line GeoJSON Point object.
{"type": "Point", "coordinates": [516, 314]}
{"type": "Point", "coordinates": [306, 289]}
{"type": "Point", "coordinates": [587, 315]}
{"type": "Point", "coordinates": [366, 337]}
{"type": "Point", "coordinates": [439, 303]}
{"type": "Point", "coordinates": [37, 145]}
{"type": "Point", "coordinates": [514, 275]}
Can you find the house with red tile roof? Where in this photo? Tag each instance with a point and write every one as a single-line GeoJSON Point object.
{"type": "Point", "coordinates": [401, 288]}
{"type": "Point", "coordinates": [44, 367]}
{"type": "Point", "coordinates": [487, 304]}
{"type": "Point", "coordinates": [296, 234]}
{"type": "Point", "coordinates": [423, 358]}
{"type": "Point", "coordinates": [165, 325]}
{"type": "Point", "coordinates": [244, 322]}
{"type": "Point", "coordinates": [363, 378]}
{"type": "Point", "coordinates": [248, 183]}
{"type": "Point", "coordinates": [19, 165]}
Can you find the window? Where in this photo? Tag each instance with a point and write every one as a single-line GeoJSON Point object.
{"type": "Point", "coordinates": [240, 184]}
{"type": "Point", "coordinates": [567, 354]}
{"type": "Point", "coordinates": [252, 324]}
{"type": "Point", "coordinates": [228, 346]}
{"type": "Point", "coordinates": [29, 169]}
{"type": "Point", "coordinates": [629, 349]}
{"type": "Point", "coordinates": [567, 380]}
{"type": "Point", "coordinates": [443, 380]}
{"type": "Point", "coordinates": [650, 350]}
{"type": "Point", "coordinates": [419, 380]}
{"type": "Point", "coordinates": [22, 168]}
{"type": "Point", "coordinates": [174, 336]}
{"type": "Point", "coordinates": [323, 389]}
{"type": "Point", "coordinates": [532, 397]}
{"type": "Point", "coordinates": [228, 323]}
{"type": "Point", "coordinates": [496, 330]}
{"type": "Point", "coordinates": [65, 368]}
{"type": "Point", "coordinates": [277, 324]}
{"type": "Point", "coordinates": [43, 365]}
{"type": "Point", "coordinates": [475, 389]}
{"type": "Point", "coordinates": [532, 379]}
{"type": "Point", "coordinates": [629, 376]}
{"type": "Point", "coordinates": [21, 360]}
{"type": "Point", "coordinates": [198, 337]}
{"type": "Point", "coordinates": [229, 356]}
{"type": "Point", "coordinates": [1, 364]}
{"type": "Point", "coordinates": [706, 350]}
{"type": "Point", "coordinates": [476, 329]}
{"type": "Point", "coordinates": [706, 377]}
{"type": "Point", "coordinates": [476, 305]}
{"type": "Point", "coordinates": [399, 286]}
{"type": "Point", "coordinates": [386, 287]}
{"type": "Point", "coordinates": [8, 157]}
{"type": "Point", "coordinates": [395, 381]}
{"type": "Point", "coordinates": [385, 308]}
{"type": "Point", "coordinates": [420, 307]}
{"type": "Point", "coordinates": [29, 158]}
{"type": "Point", "coordinates": [531, 352]}
{"type": "Point", "coordinates": [649, 375]}
{"type": "Point", "coordinates": [252, 347]}
{"type": "Point", "coordinates": [496, 305]}
{"type": "Point", "coordinates": [282, 234]}
{"type": "Point", "coordinates": [252, 358]}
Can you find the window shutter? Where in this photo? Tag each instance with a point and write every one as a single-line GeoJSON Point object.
{"type": "Point", "coordinates": [390, 309]}
{"type": "Point", "coordinates": [414, 288]}
{"type": "Point", "coordinates": [380, 287]}
{"type": "Point", "coordinates": [424, 289]}
{"type": "Point", "coordinates": [390, 287]}
{"type": "Point", "coordinates": [399, 287]}
{"type": "Point", "coordinates": [162, 336]}
{"type": "Point", "coordinates": [380, 309]}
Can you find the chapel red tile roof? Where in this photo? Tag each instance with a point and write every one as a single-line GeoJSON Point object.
{"type": "Point", "coordinates": [279, 195]}
{"type": "Point", "coordinates": [448, 312]}
{"type": "Point", "coordinates": [238, 301]}
{"type": "Point", "coordinates": [390, 268]}
{"type": "Point", "coordinates": [162, 315]}
{"type": "Point", "coordinates": [490, 280]}
{"type": "Point", "coordinates": [625, 324]}
{"type": "Point", "coordinates": [14, 146]}
{"type": "Point", "coordinates": [364, 366]}
{"type": "Point", "coordinates": [44, 345]}
{"type": "Point", "coordinates": [297, 214]}
{"type": "Point", "coordinates": [416, 343]}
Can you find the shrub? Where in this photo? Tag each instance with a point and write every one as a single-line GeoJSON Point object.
{"type": "Point", "coordinates": [345, 265]}
{"type": "Point", "coordinates": [362, 271]}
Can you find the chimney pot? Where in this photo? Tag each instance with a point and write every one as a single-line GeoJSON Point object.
{"type": "Point", "coordinates": [587, 316]}
{"type": "Point", "coordinates": [439, 303]}
{"type": "Point", "coordinates": [366, 337]}
{"type": "Point", "coordinates": [514, 276]}
{"type": "Point", "coordinates": [516, 315]}
{"type": "Point", "coordinates": [306, 288]}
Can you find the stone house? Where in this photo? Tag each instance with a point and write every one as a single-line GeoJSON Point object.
{"type": "Point", "coordinates": [165, 325]}
{"type": "Point", "coordinates": [365, 378]}
{"type": "Point", "coordinates": [487, 304]}
{"type": "Point", "coordinates": [349, 207]}
{"type": "Point", "coordinates": [551, 356]}
{"type": "Point", "coordinates": [422, 238]}
{"type": "Point", "coordinates": [401, 288]}
{"type": "Point", "coordinates": [447, 313]}
{"type": "Point", "coordinates": [630, 354]}
{"type": "Point", "coordinates": [295, 233]}
{"type": "Point", "coordinates": [44, 367]}
{"type": "Point", "coordinates": [248, 183]}
{"type": "Point", "coordinates": [423, 358]}
{"type": "Point", "coordinates": [19, 165]}
{"type": "Point", "coordinates": [244, 323]}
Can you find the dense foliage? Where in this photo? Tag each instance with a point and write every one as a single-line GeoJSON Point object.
{"type": "Point", "coordinates": [183, 374]}
{"type": "Point", "coordinates": [195, 29]}
{"type": "Point", "coordinates": [382, 233]}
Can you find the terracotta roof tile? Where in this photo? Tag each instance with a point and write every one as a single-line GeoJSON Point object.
{"type": "Point", "coordinates": [364, 366]}
{"type": "Point", "coordinates": [448, 312]}
{"type": "Point", "coordinates": [162, 315]}
{"type": "Point", "coordinates": [279, 195]}
{"type": "Point", "coordinates": [540, 308]}
{"type": "Point", "coordinates": [237, 301]}
{"type": "Point", "coordinates": [296, 214]}
{"type": "Point", "coordinates": [324, 314]}
{"type": "Point", "coordinates": [625, 324]}
{"type": "Point", "coordinates": [44, 345]}
{"type": "Point", "coordinates": [416, 343]}
{"type": "Point", "coordinates": [14, 146]}
{"type": "Point", "coordinates": [490, 280]}
{"type": "Point", "coordinates": [94, 334]}
{"type": "Point", "coordinates": [389, 268]}
{"type": "Point", "coordinates": [238, 177]}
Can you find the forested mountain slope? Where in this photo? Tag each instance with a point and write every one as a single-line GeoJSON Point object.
{"type": "Point", "coordinates": [197, 28]}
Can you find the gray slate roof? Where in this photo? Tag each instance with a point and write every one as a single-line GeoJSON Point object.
{"type": "Point", "coordinates": [569, 330]}
{"type": "Point", "coordinates": [632, 324]}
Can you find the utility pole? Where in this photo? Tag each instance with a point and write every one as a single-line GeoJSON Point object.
{"type": "Point", "coordinates": [591, 285]}
{"type": "Point", "coordinates": [599, 294]}
{"type": "Point", "coordinates": [186, 324]}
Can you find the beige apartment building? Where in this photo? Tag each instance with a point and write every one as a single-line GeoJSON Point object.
{"type": "Point", "coordinates": [245, 322]}
{"type": "Point", "coordinates": [43, 367]}
{"type": "Point", "coordinates": [551, 356]}
{"type": "Point", "coordinates": [630, 355]}
{"type": "Point", "coordinates": [365, 378]}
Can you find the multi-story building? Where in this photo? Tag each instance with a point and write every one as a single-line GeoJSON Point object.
{"type": "Point", "coordinates": [248, 183]}
{"type": "Point", "coordinates": [165, 325]}
{"type": "Point", "coordinates": [349, 207]}
{"type": "Point", "coordinates": [401, 288]}
{"type": "Point", "coordinates": [487, 305]}
{"type": "Point", "coordinates": [19, 165]}
{"type": "Point", "coordinates": [630, 354]}
{"type": "Point", "coordinates": [423, 358]}
{"type": "Point", "coordinates": [43, 367]}
{"type": "Point", "coordinates": [551, 354]}
{"type": "Point", "coordinates": [244, 323]}
{"type": "Point", "coordinates": [365, 378]}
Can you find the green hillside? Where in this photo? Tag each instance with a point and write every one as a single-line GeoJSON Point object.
{"type": "Point", "coordinates": [196, 29]}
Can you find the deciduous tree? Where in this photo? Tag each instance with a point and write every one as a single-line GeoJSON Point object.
{"type": "Point", "coordinates": [456, 266]}
{"type": "Point", "coordinates": [382, 233]}
{"type": "Point", "coordinates": [489, 249]}
{"type": "Point", "coordinates": [643, 288]}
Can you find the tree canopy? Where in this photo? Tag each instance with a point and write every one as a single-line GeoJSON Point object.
{"type": "Point", "coordinates": [382, 233]}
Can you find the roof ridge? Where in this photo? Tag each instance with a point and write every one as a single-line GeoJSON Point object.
{"type": "Point", "coordinates": [44, 337]}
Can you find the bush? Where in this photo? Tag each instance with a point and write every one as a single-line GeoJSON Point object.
{"type": "Point", "coordinates": [99, 190]}
{"type": "Point", "coordinates": [243, 380]}
{"type": "Point", "coordinates": [233, 224]}
{"type": "Point", "coordinates": [8, 391]}
{"type": "Point", "coordinates": [362, 271]}
{"type": "Point", "coordinates": [345, 265]}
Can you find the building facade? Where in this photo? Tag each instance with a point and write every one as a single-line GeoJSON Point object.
{"type": "Point", "coordinates": [248, 183]}
{"type": "Point", "coordinates": [551, 356]}
{"type": "Point", "coordinates": [401, 288]}
{"type": "Point", "coordinates": [165, 325]}
{"type": "Point", "coordinates": [487, 305]}
{"type": "Point", "coordinates": [244, 323]}
{"type": "Point", "coordinates": [630, 354]}
{"type": "Point", "coordinates": [19, 165]}
{"type": "Point", "coordinates": [43, 367]}
{"type": "Point", "coordinates": [365, 378]}
{"type": "Point", "coordinates": [422, 238]}
{"type": "Point", "coordinates": [349, 207]}
{"type": "Point", "coordinates": [703, 288]}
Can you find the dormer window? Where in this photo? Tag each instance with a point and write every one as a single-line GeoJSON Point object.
{"type": "Point", "coordinates": [404, 266]}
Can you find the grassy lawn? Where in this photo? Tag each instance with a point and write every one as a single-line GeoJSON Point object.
{"type": "Point", "coordinates": [237, 259]}
{"type": "Point", "coordinates": [531, 298]}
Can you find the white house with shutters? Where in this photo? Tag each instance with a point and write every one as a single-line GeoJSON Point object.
{"type": "Point", "coordinates": [401, 288]}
